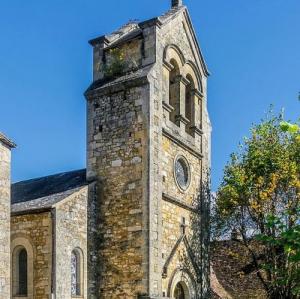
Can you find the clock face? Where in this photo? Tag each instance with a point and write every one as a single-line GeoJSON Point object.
{"type": "Point", "coordinates": [182, 173]}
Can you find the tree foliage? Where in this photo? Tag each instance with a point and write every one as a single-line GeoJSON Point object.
{"type": "Point", "coordinates": [259, 198]}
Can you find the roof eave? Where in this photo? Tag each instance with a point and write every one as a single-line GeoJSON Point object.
{"type": "Point", "coordinates": [31, 211]}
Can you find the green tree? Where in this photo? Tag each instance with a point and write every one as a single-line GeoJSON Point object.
{"type": "Point", "coordinates": [259, 198]}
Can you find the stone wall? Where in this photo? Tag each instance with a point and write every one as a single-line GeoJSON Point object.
{"type": "Point", "coordinates": [5, 157]}
{"type": "Point", "coordinates": [34, 232]}
{"type": "Point", "coordinates": [173, 212]}
{"type": "Point", "coordinates": [70, 234]}
{"type": "Point", "coordinates": [131, 150]}
{"type": "Point", "coordinates": [176, 38]}
{"type": "Point", "coordinates": [118, 159]}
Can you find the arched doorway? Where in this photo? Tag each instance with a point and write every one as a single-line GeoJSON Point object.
{"type": "Point", "coordinates": [181, 285]}
{"type": "Point", "coordinates": [179, 292]}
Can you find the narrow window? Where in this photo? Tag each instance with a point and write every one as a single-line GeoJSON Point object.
{"type": "Point", "coordinates": [174, 96]}
{"type": "Point", "coordinates": [22, 271]}
{"type": "Point", "coordinates": [183, 225]}
{"type": "Point", "coordinates": [75, 273]}
{"type": "Point", "coordinates": [189, 103]}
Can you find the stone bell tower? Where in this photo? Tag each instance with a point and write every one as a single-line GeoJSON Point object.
{"type": "Point", "coordinates": [148, 152]}
{"type": "Point", "coordinates": [5, 157]}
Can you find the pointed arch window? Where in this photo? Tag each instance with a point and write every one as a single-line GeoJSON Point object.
{"type": "Point", "coordinates": [76, 274]}
{"type": "Point", "coordinates": [174, 90]}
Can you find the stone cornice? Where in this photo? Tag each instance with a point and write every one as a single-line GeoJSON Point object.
{"type": "Point", "coordinates": [33, 211]}
{"type": "Point", "coordinates": [198, 93]}
{"type": "Point", "coordinates": [178, 202]}
{"type": "Point", "coordinates": [176, 140]}
{"type": "Point", "coordinates": [182, 80]}
{"type": "Point", "coordinates": [196, 130]}
{"type": "Point", "coordinates": [99, 40]}
{"type": "Point", "coordinates": [182, 119]}
{"type": "Point", "coordinates": [167, 106]}
{"type": "Point", "coordinates": [168, 65]}
{"type": "Point", "coordinates": [115, 87]}
{"type": "Point", "coordinates": [149, 23]}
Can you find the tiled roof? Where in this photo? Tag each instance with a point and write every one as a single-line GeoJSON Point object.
{"type": "Point", "coordinates": [47, 202]}
{"type": "Point", "coordinates": [234, 272]}
{"type": "Point", "coordinates": [43, 187]}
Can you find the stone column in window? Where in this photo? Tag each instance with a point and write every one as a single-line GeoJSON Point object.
{"type": "Point", "coordinates": [197, 111]}
{"type": "Point", "coordinates": [180, 119]}
{"type": "Point", "coordinates": [196, 128]}
{"type": "Point", "coordinates": [190, 104]}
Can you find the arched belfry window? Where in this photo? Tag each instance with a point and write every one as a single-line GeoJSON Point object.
{"type": "Point", "coordinates": [76, 273]}
{"type": "Point", "coordinates": [174, 90]}
{"type": "Point", "coordinates": [189, 103]}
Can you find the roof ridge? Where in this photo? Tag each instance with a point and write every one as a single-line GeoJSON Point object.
{"type": "Point", "coordinates": [50, 175]}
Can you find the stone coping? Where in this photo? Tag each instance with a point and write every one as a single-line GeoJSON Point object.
{"type": "Point", "coordinates": [7, 141]}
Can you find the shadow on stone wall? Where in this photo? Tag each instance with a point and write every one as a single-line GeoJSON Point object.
{"type": "Point", "coordinates": [196, 258]}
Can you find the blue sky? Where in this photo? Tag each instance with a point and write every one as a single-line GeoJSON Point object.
{"type": "Point", "coordinates": [252, 49]}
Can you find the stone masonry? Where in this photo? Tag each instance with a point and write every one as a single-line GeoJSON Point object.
{"type": "Point", "coordinates": [5, 157]}
{"type": "Point", "coordinates": [124, 228]}
{"type": "Point", "coordinates": [137, 238]}
{"type": "Point", "coordinates": [36, 229]}
{"type": "Point", "coordinates": [70, 233]}
{"type": "Point", "coordinates": [50, 228]}
{"type": "Point", "coordinates": [119, 141]}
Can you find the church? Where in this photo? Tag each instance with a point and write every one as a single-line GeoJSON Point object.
{"type": "Point", "coordinates": [124, 227]}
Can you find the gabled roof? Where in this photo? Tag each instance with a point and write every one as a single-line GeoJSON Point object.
{"type": "Point", "coordinates": [43, 203]}
{"type": "Point", "coordinates": [47, 186]}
